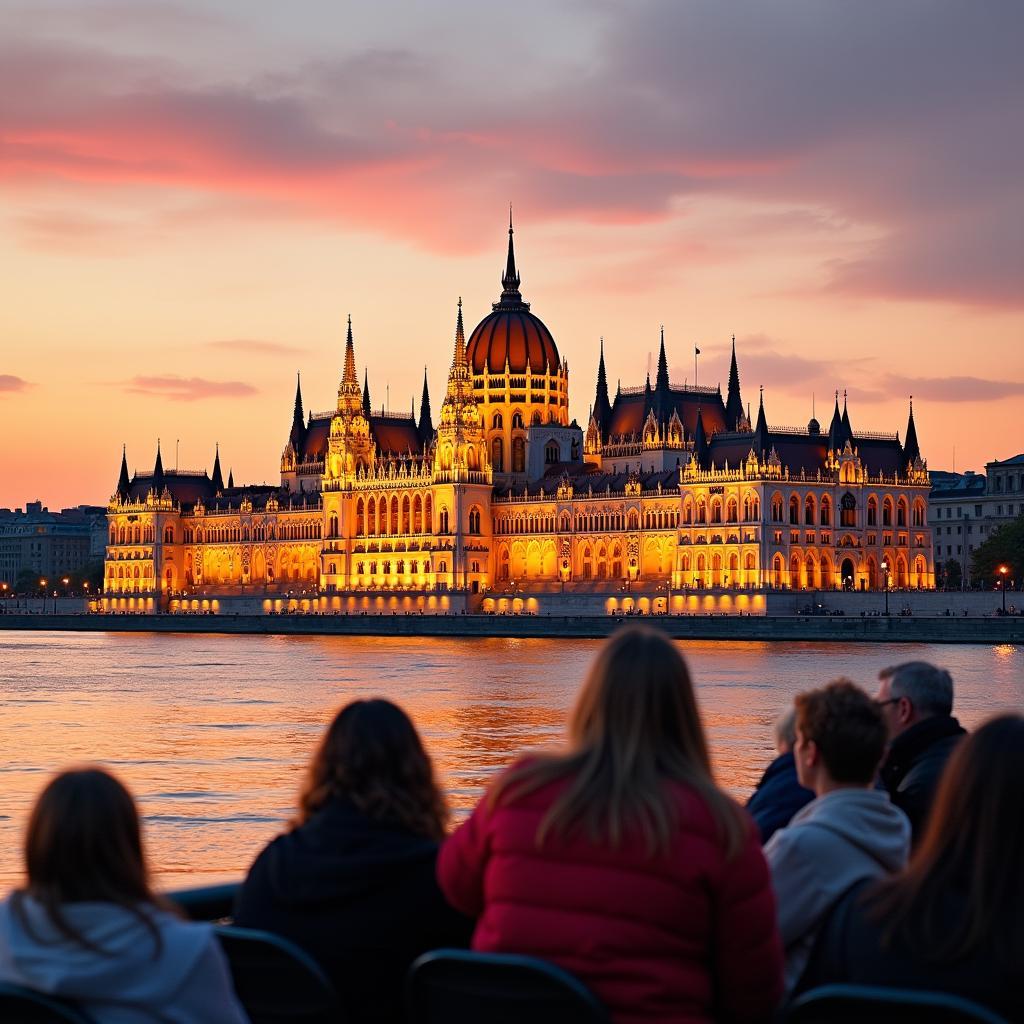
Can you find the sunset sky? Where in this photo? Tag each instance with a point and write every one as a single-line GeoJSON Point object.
{"type": "Point", "coordinates": [194, 196]}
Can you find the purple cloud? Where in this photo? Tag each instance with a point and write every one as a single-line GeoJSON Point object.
{"type": "Point", "coordinates": [188, 389]}
{"type": "Point", "coordinates": [955, 389]}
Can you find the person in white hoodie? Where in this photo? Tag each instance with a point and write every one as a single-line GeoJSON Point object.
{"type": "Point", "coordinates": [848, 833]}
{"type": "Point", "coordinates": [87, 927]}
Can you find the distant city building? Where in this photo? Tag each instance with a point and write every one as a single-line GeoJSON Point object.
{"type": "Point", "coordinates": [50, 544]}
{"type": "Point", "coordinates": [966, 508]}
{"type": "Point", "coordinates": [672, 490]}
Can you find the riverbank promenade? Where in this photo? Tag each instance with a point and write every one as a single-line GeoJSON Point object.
{"type": "Point", "coordinates": [781, 628]}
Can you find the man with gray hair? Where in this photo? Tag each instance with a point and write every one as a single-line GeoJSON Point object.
{"type": "Point", "coordinates": [916, 699]}
{"type": "Point", "coordinates": [779, 794]}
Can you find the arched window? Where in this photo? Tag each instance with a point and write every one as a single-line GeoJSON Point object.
{"type": "Point", "coordinates": [360, 517]}
{"type": "Point", "coordinates": [872, 511]}
{"type": "Point", "coordinates": [497, 422]}
{"type": "Point", "coordinates": [333, 527]}
{"type": "Point", "coordinates": [428, 515]}
{"type": "Point", "coordinates": [826, 511]}
{"type": "Point", "coordinates": [417, 514]}
{"type": "Point", "coordinates": [809, 510]}
{"type": "Point", "coordinates": [517, 421]}
{"type": "Point", "coordinates": [848, 510]}
{"type": "Point", "coordinates": [394, 514]}
{"type": "Point", "coordinates": [901, 513]}
{"type": "Point", "coordinates": [497, 454]}
{"type": "Point", "coordinates": [887, 512]}
{"type": "Point", "coordinates": [551, 453]}
{"type": "Point", "coordinates": [518, 455]}
{"type": "Point", "coordinates": [371, 516]}
{"type": "Point", "coordinates": [442, 521]}
{"type": "Point", "coordinates": [474, 520]}
{"type": "Point", "coordinates": [406, 512]}
{"type": "Point", "coordinates": [794, 511]}
{"type": "Point", "coordinates": [169, 535]}
{"type": "Point", "coordinates": [731, 512]}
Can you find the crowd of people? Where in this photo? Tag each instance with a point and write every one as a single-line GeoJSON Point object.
{"type": "Point", "coordinates": [883, 845]}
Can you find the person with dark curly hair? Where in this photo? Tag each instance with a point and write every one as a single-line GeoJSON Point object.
{"type": "Point", "coordinates": [352, 882]}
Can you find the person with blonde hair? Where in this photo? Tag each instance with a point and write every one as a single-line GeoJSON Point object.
{"type": "Point", "coordinates": [88, 928]}
{"type": "Point", "coordinates": [620, 860]}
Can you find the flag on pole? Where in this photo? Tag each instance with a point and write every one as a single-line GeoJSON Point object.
{"type": "Point", "coordinates": [696, 351]}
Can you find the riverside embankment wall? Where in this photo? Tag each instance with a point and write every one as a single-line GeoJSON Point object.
{"type": "Point", "coordinates": [778, 628]}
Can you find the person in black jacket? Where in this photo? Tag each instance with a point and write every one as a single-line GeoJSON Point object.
{"type": "Point", "coordinates": [951, 921]}
{"type": "Point", "coordinates": [353, 882]}
{"type": "Point", "coordinates": [779, 794]}
{"type": "Point", "coordinates": [917, 701]}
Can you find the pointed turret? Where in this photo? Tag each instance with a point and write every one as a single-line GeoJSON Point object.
{"type": "Point", "coordinates": [847, 429]}
{"type": "Point", "coordinates": [426, 427]}
{"type": "Point", "coordinates": [761, 439]}
{"type": "Point", "coordinates": [297, 435]}
{"type": "Point", "coordinates": [158, 469]}
{"type": "Point", "coordinates": [510, 279]}
{"type": "Point", "coordinates": [701, 452]}
{"type": "Point", "coordinates": [350, 396]}
{"type": "Point", "coordinates": [734, 403]}
{"type": "Point", "coordinates": [836, 441]}
{"type": "Point", "coordinates": [459, 356]}
{"type": "Point", "coordinates": [216, 477]}
{"type": "Point", "coordinates": [366, 393]}
{"type": "Point", "coordinates": [602, 407]}
{"type": "Point", "coordinates": [911, 449]}
{"type": "Point", "coordinates": [661, 381]}
{"type": "Point", "coordinates": [123, 480]}
{"type": "Point", "coordinates": [231, 479]}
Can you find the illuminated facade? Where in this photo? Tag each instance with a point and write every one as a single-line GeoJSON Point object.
{"type": "Point", "coordinates": [671, 496]}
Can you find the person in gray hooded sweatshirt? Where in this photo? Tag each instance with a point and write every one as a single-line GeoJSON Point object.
{"type": "Point", "coordinates": [88, 929]}
{"type": "Point", "coordinates": [850, 831]}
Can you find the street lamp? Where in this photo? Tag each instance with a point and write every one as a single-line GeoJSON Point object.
{"type": "Point", "coordinates": [1002, 572]}
{"type": "Point", "coordinates": [885, 569]}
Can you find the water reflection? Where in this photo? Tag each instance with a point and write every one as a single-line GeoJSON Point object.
{"type": "Point", "coordinates": [213, 733]}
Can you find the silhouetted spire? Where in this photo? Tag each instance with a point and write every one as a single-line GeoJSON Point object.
{"type": "Point", "coordinates": [123, 481]}
{"type": "Point", "coordinates": [661, 381]}
{"type": "Point", "coordinates": [158, 469]}
{"type": "Point", "coordinates": [602, 407]}
{"type": "Point", "coordinates": [216, 477]}
{"type": "Point", "coordinates": [761, 430]}
{"type": "Point", "coordinates": [734, 403]}
{"type": "Point", "coordinates": [848, 430]}
{"type": "Point", "coordinates": [426, 428]}
{"type": "Point", "coordinates": [510, 279]}
{"type": "Point", "coordinates": [366, 393]}
{"type": "Point", "coordinates": [911, 450]}
{"type": "Point", "coordinates": [297, 434]}
{"type": "Point", "coordinates": [231, 479]}
{"type": "Point", "coordinates": [700, 443]}
{"type": "Point", "coordinates": [836, 441]}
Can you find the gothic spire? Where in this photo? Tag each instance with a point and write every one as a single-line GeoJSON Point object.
{"type": "Point", "coordinates": [298, 431]}
{"type": "Point", "coordinates": [426, 428]}
{"type": "Point", "coordinates": [510, 279]}
{"type": "Point", "coordinates": [734, 403]}
{"type": "Point", "coordinates": [216, 477]}
{"type": "Point", "coordinates": [836, 441]}
{"type": "Point", "coordinates": [158, 469]}
{"type": "Point", "coordinates": [847, 429]}
{"type": "Point", "coordinates": [602, 407]}
{"type": "Point", "coordinates": [366, 393]}
{"type": "Point", "coordinates": [661, 382]}
{"type": "Point", "coordinates": [761, 430]}
{"type": "Point", "coordinates": [701, 451]}
{"type": "Point", "coordinates": [911, 449]}
{"type": "Point", "coordinates": [459, 358]}
{"type": "Point", "coordinates": [231, 479]}
{"type": "Point", "coordinates": [123, 481]}
{"type": "Point", "coordinates": [349, 374]}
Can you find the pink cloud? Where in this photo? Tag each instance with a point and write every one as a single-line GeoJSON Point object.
{"type": "Point", "coordinates": [9, 384]}
{"type": "Point", "coordinates": [188, 389]}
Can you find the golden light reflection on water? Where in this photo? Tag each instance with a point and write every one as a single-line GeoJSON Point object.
{"type": "Point", "coordinates": [213, 732]}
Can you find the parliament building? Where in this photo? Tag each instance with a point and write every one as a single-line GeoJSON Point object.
{"type": "Point", "coordinates": [674, 498]}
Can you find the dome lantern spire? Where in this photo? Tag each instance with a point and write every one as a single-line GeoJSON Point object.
{"type": "Point", "coordinates": [510, 279]}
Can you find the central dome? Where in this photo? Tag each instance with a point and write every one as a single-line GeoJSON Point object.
{"type": "Point", "coordinates": [511, 334]}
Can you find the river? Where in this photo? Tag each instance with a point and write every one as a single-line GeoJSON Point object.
{"type": "Point", "coordinates": [212, 733]}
